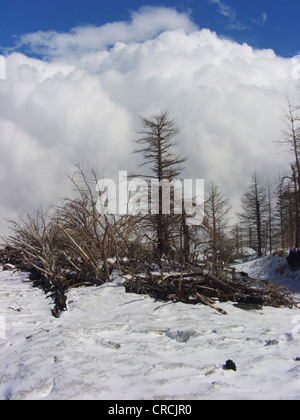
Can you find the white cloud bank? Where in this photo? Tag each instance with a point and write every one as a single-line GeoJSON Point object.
{"type": "Point", "coordinates": [145, 24]}
{"type": "Point", "coordinates": [82, 103]}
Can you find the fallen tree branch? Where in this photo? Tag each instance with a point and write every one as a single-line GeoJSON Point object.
{"type": "Point", "coordinates": [207, 302]}
{"type": "Point", "coordinates": [202, 287]}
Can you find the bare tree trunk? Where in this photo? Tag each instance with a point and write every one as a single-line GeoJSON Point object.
{"type": "Point", "coordinates": [157, 144]}
{"type": "Point", "coordinates": [297, 208]}
{"type": "Point", "coordinates": [292, 138]}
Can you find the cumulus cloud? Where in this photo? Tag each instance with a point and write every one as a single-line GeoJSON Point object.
{"type": "Point", "coordinates": [52, 118]}
{"type": "Point", "coordinates": [147, 23]}
{"type": "Point", "coordinates": [83, 102]}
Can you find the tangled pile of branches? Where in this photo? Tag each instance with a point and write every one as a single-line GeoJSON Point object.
{"type": "Point", "coordinates": [206, 288]}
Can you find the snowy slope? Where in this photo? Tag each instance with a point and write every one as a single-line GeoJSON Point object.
{"type": "Point", "coordinates": [113, 345]}
{"type": "Point", "coordinates": [272, 267]}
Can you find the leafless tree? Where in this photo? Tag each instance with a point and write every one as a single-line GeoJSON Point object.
{"type": "Point", "coordinates": [285, 225]}
{"type": "Point", "coordinates": [216, 223]}
{"type": "Point", "coordinates": [254, 212]}
{"type": "Point", "coordinates": [291, 137]}
{"type": "Point", "coordinates": [156, 145]}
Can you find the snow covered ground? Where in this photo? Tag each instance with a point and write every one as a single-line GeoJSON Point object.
{"type": "Point", "coordinates": [113, 345]}
{"type": "Point", "coordinates": [272, 267]}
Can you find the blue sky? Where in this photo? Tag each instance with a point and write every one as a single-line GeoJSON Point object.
{"type": "Point", "coordinates": [260, 23]}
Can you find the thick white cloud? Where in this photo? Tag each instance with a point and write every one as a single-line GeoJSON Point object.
{"type": "Point", "coordinates": [145, 24]}
{"type": "Point", "coordinates": [48, 124]}
{"type": "Point", "coordinates": [83, 104]}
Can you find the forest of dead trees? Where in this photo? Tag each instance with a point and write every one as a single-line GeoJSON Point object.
{"type": "Point", "coordinates": [74, 244]}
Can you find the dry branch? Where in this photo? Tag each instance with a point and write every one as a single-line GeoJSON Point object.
{"type": "Point", "coordinates": [202, 287]}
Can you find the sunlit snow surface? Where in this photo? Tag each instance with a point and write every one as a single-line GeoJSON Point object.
{"type": "Point", "coordinates": [113, 345]}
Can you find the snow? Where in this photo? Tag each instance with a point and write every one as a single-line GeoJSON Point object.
{"type": "Point", "coordinates": [113, 345]}
{"type": "Point", "coordinates": [272, 267]}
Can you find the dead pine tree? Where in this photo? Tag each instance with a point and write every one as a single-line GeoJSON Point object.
{"type": "Point", "coordinates": [156, 144]}
{"type": "Point", "coordinates": [216, 221]}
{"type": "Point", "coordinates": [291, 137]}
{"type": "Point", "coordinates": [254, 212]}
